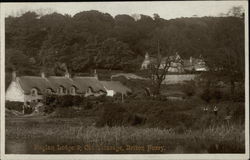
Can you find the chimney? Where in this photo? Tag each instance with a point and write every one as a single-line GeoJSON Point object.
{"type": "Point", "coordinates": [13, 75]}
{"type": "Point", "coordinates": [43, 75]}
{"type": "Point", "coordinates": [191, 60]}
{"type": "Point", "coordinates": [146, 56]}
{"type": "Point", "coordinates": [95, 74]}
{"type": "Point", "coordinates": [67, 74]}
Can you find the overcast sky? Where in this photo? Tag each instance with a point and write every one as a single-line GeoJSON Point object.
{"type": "Point", "coordinates": [167, 10]}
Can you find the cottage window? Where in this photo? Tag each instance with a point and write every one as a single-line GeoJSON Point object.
{"type": "Point", "coordinates": [72, 90]}
{"type": "Point", "coordinates": [33, 92]}
{"type": "Point", "coordinates": [48, 90]}
{"type": "Point", "coordinates": [61, 90]}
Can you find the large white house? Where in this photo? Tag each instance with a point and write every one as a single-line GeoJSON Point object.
{"type": "Point", "coordinates": [178, 65]}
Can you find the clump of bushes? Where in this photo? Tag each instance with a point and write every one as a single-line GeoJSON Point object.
{"type": "Point", "coordinates": [239, 96]}
{"type": "Point", "coordinates": [206, 95]}
{"type": "Point", "coordinates": [28, 110]}
{"type": "Point", "coordinates": [209, 94]}
{"type": "Point", "coordinates": [115, 114]}
{"type": "Point", "coordinates": [20, 107]}
{"type": "Point", "coordinates": [17, 106]}
{"type": "Point", "coordinates": [189, 88]}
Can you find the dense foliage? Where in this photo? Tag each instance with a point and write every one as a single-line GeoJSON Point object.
{"type": "Point", "coordinates": [92, 39]}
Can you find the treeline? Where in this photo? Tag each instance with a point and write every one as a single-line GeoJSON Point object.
{"type": "Point", "coordinates": [92, 39]}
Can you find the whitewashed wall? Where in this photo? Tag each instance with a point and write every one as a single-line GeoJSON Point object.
{"type": "Point", "coordinates": [173, 79]}
{"type": "Point", "coordinates": [14, 93]}
{"type": "Point", "coordinates": [110, 93]}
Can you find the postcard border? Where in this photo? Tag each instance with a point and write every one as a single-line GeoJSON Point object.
{"type": "Point", "coordinates": [122, 156]}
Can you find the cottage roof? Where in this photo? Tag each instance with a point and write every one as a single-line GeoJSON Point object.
{"type": "Point", "coordinates": [54, 82]}
{"type": "Point", "coordinates": [83, 83]}
{"type": "Point", "coordinates": [116, 86]}
{"type": "Point", "coordinates": [57, 81]}
{"type": "Point", "coordinates": [127, 75]}
{"type": "Point", "coordinates": [29, 82]}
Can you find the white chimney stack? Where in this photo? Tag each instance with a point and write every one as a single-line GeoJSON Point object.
{"type": "Point", "coordinates": [13, 75]}
{"type": "Point", "coordinates": [95, 74]}
{"type": "Point", "coordinates": [191, 59]}
{"type": "Point", "coordinates": [42, 74]}
{"type": "Point", "coordinates": [67, 75]}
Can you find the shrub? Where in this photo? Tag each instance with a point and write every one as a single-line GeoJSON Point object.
{"type": "Point", "coordinates": [49, 99]}
{"type": "Point", "coordinates": [64, 100]}
{"type": "Point", "coordinates": [217, 95]}
{"type": "Point", "coordinates": [114, 115]}
{"type": "Point", "coordinates": [138, 119]}
{"type": "Point", "coordinates": [28, 110]}
{"type": "Point", "coordinates": [88, 105]}
{"type": "Point", "coordinates": [189, 88]}
{"type": "Point", "coordinates": [206, 95]}
{"type": "Point", "coordinates": [18, 106]}
{"type": "Point", "coordinates": [239, 96]}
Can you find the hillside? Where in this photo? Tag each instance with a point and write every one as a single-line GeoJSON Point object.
{"type": "Point", "coordinates": [92, 39]}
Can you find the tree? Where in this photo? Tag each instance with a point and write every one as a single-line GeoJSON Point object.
{"type": "Point", "coordinates": [228, 57]}
{"type": "Point", "coordinates": [159, 69]}
{"type": "Point", "coordinates": [95, 39]}
{"type": "Point", "coordinates": [236, 11]}
{"type": "Point", "coordinates": [114, 54]}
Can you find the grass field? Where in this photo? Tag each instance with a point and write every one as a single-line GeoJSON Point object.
{"type": "Point", "coordinates": [171, 127]}
{"type": "Point", "coordinates": [40, 135]}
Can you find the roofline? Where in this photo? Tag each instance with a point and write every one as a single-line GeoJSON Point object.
{"type": "Point", "coordinates": [19, 85]}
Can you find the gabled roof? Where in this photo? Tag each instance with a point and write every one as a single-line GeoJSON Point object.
{"type": "Point", "coordinates": [29, 82]}
{"type": "Point", "coordinates": [116, 86]}
{"type": "Point", "coordinates": [83, 83]}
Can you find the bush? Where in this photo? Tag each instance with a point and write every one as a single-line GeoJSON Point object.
{"type": "Point", "coordinates": [217, 95]}
{"type": "Point", "coordinates": [189, 89]}
{"type": "Point", "coordinates": [28, 110]}
{"type": "Point", "coordinates": [18, 106]}
{"type": "Point", "coordinates": [239, 96]}
{"type": "Point", "coordinates": [138, 119]}
{"type": "Point", "coordinates": [206, 95]}
{"type": "Point", "coordinates": [115, 114]}
{"type": "Point", "coordinates": [64, 100]}
{"type": "Point", "coordinates": [49, 99]}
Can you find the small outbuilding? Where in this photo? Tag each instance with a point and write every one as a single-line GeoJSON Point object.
{"type": "Point", "coordinates": [114, 87]}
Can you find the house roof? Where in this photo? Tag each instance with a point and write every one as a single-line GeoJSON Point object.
{"type": "Point", "coordinates": [57, 81]}
{"type": "Point", "coordinates": [116, 86]}
{"type": "Point", "coordinates": [83, 83]}
{"type": "Point", "coordinates": [127, 75]}
{"type": "Point", "coordinates": [29, 82]}
{"type": "Point", "coordinates": [54, 82]}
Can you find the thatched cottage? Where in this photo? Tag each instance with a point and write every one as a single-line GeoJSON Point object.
{"type": "Point", "coordinates": [33, 88]}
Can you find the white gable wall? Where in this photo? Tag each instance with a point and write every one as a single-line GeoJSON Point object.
{"type": "Point", "coordinates": [14, 93]}
{"type": "Point", "coordinates": [110, 93]}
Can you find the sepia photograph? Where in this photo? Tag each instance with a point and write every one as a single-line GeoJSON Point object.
{"type": "Point", "coordinates": [125, 78]}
